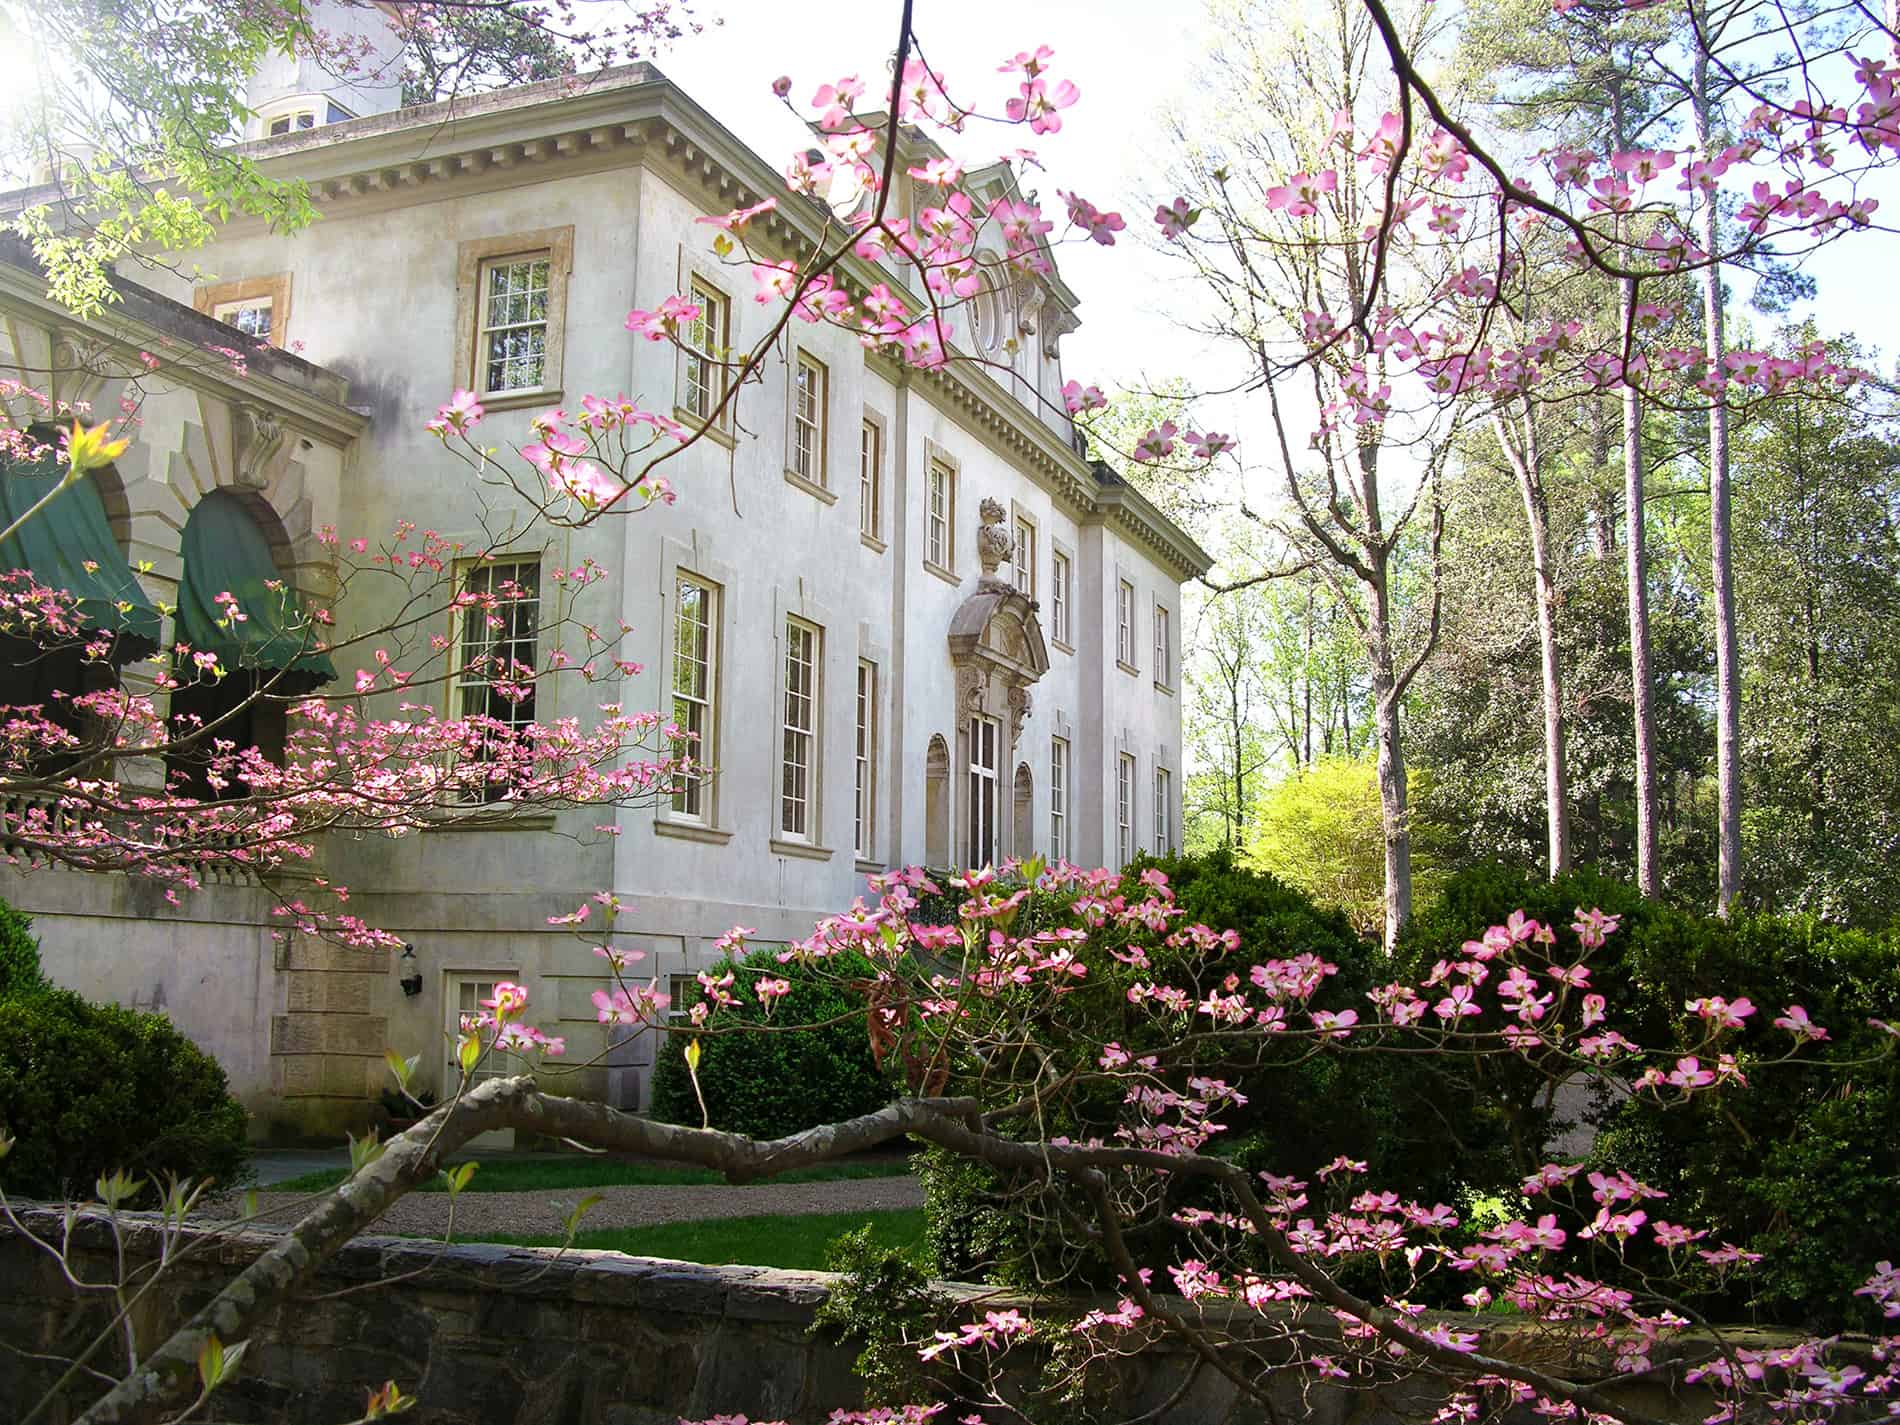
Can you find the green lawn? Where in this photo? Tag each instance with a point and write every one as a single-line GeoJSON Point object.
{"type": "Point", "coordinates": [796, 1242]}
{"type": "Point", "coordinates": [566, 1174]}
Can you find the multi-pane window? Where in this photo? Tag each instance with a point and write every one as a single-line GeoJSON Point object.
{"type": "Point", "coordinates": [703, 369]}
{"type": "Point", "coordinates": [465, 1006]}
{"type": "Point", "coordinates": [512, 345]}
{"type": "Point", "coordinates": [498, 615]}
{"type": "Point", "coordinates": [1025, 559]}
{"type": "Point", "coordinates": [1058, 799]}
{"type": "Point", "coordinates": [287, 123]}
{"type": "Point", "coordinates": [695, 685]}
{"type": "Point", "coordinates": [865, 760]}
{"type": "Point", "coordinates": [1164, 836]}
{"type": "Point", "coordinates": [1164, 645]}
{"type": "Point", "coordinates": [1059, 598]}
{"type": "Point", "coordinates": [984, 737]}
{"type": "Point", "coordinates": [1125, 623]}
{"type": "Point", "coordinates": [808, 419]}
{"type": "Point", "coordinates": [1124, 809]}
{"type": "Point", "coordinates": [870, 477]}
{"type": "Point", "coordinates": [939, 512]}
{"type": "Point", "coordinates": [798, 759]}
{"type": "Point", "coordinates": [252, 316]}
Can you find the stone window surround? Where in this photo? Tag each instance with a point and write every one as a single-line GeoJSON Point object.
{"type": "Point", "coordinates": [874, 538]}
{"type": "Point", "coordinates": [1019, 516]}
{"type": "Point", "coordinates": [276, 288]}
{"type": "Point", "coordinates": [935, 455]}
{"type": "Point", "coordinates": [819, 487]}
{"type": "Point", "coordinates": [701, 269]}
{"type": "Point", "coordinates": [471, 260]}
{"type": "Point", "coordinates": [1057, 547]}
{"type": "Point", "coordinates": [697, 559]}
{"type": "Point", "coordinates": [879, 657]}
{"type": "Point", "coordinates": [787, 604]}
{"type": "Point", "coordinates": [1123, 581]}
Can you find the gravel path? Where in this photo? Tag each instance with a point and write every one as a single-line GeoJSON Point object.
{"type": "Point", "coordinates": [530, 1213]}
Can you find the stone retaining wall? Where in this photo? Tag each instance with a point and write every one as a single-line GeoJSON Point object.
{"type": "Point", "coordinates": [491, 1335]}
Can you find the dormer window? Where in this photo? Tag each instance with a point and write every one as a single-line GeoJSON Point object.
{"type": "Point", "coordinates": [289, 123]}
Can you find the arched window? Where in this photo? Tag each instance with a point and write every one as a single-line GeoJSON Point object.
{"type": "Point", "coordinates": [937, 804]}
{"type": "Point", "coordinates": [267, 657]}
{"type": "Point", "coordinates": [1022, 813]}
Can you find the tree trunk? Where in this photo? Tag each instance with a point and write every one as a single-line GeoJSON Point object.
{"type": "Point", "coordinates": [1642, 679]}
{"type": "Point", "coordinates": [1522, 452]}
{"type": "Point", "coordinates": [1728, 677]}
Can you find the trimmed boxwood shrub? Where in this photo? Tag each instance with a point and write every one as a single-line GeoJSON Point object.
{"type": "Point", "coordinates": [88, 1088]}
{"type": "Point", "coordinates": [1803, 1165]}
{"type": "Point", "coordinates": [19, 954]}
{"type": "Point", "coordinates": [769, 1084]}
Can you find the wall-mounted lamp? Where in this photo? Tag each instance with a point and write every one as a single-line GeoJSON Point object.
{"type": "Point", "coordinates": [411, 980]}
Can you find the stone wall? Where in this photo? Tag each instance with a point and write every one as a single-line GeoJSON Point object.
{"type": "Point", "coordinates": [518, 1336]}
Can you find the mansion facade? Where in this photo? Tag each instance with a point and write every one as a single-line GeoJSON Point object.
{"type": "Point", "coordinates": [909, 622]}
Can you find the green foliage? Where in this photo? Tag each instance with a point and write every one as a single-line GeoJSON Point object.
{"type": "Point", "coordinates": [1803, 1165]}
{"type": "Point", "coordinates": [87, 1089]}
{"type": "Point", "coordinates": [761, 1080]}
{"type": "Point", "coordinates": [884, 1304]}
{"type": "Point", "coordinates": [1302, 1109]}
{"type": "Point", "coordinates": [20, 972]}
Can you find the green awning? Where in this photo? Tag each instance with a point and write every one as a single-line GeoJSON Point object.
{"type": "Point", "coordinates": [69, 545]}
{"type": "Point", "coordinates": [226, 552]}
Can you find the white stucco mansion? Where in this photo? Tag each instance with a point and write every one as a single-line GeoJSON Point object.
{"type": "Point", "coordinates": [816, 604]}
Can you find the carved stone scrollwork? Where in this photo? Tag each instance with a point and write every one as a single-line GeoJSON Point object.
{"type": "Point", "coordinates": [258, 438]}
{"type": "Point", "coordinates": [971, 689]}
{"type": "Point", "coordinates": [1020, 707]}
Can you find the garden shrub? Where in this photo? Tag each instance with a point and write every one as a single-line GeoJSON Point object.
{"type": "Point", "coordinates": [19, 954]}
{"type": "Point", "coordinates": [88, 1088]}
{"type": "Point", "coordinates": [1804, 1165]}
{"type": "Point", "coordinates": [768, 1084]}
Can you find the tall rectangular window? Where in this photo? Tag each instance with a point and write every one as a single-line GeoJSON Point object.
{"type": "Point", "coordinates": [1164, 647]}
{"type": "Point", "coordinates": [695, 685]}
{"type": "Point", "coordinates": [939, 514]}
{"type": "Point", "coordinates": [809, 395]}
{"type": "Point", "coordinates": [513, 339]}
{"type": "Point", "coordinates": [865, 761]}
{"type": "Point", "coordinates": [706, 339]}
{"type": "Point", "coordinates": [799, 732]}
{"type": "Point", "coordinates": [1124, 809]}
{"type": "Point", "coordinates": [1164, 822]}
{"type": "Point", "coordinates": [1059, 599]}
{"type": "Point", "coordinates": [498, 615]}
{"type": "Point", "coordinates": [1125, 623]}
{"type": "Point", "coordinates": [1025, 558]}
{"type": "Point", "coordinates": [984, 736]}
{"type": "Point", "coordinates": [1058, 799]}
{"type": "Point", "coordinates": [870, 477]}
{"type": "Point", "coordinates": [465, 1005]}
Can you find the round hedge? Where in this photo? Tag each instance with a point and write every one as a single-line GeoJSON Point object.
{"type": "Point", "coordinates": [88, 1088]}
{"type": "Point", "coordinates": [768, 1084]}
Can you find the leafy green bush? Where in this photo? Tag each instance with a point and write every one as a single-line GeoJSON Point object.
{"type": "Point", "coordinates": [1302, 1111]}
{"type": "Point", "coordinates": [884, 1304]}
{"type": "Point", "coordinates": [19, 954]}
{"type": "Point", "coordinates": [765, 1083]}
{"type": "Point", "coordinates": [88, 1088]}
{"type": "Point", "coordinates": [1803, 1166]}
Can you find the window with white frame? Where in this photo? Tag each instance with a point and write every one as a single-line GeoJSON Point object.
{"type": "Point", "coordinates": [681, 991]}
{"type": "Point", "coordinates": [703, 363]}
{"type": "Point", "coordinates": [1059, 598]}
{"type": "Point", "coordinates": [985, 734]}
{"type": "Point", "coordinates": [465, 997]}
{"type": "Point", "coordinates": [1025, 557]}
{"type": "Point", "coordinates": [252, 316]}
{"type": "Point", "coordinates": [940, 515]}
{"type": "Point", "coordinates": [498, 611]}
{"type": "Point", "coordinates": [1164, 646]}
{"type": "Point", "coordinates": [810, 383]}
{"type": "Point", "coordinates": [290, 123]}
{"type": "Point", "coordinates": [1124, 808]}
{"type": "Point", "coordinates": [695, 688]}
{"type": "Point", "coordinates": [870, 477]}
{"type": "Point", "coordinates": [865, 761]}
{"type": "Point", "coordinates": [798, 757]}
{"type": "Point", "coordinates": [1125, 623]}
{"type": "Point", "coordinates": [1058, 799]}
{"type": "Point", "coordinates": [1164, 825]}
{"type": "Point", "coordinates": [512, 339]}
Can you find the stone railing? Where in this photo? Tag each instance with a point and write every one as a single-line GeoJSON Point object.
{"type": "Point", "coordinates": [17, 811]}
{"type": "Point", "coordinates": [521, 1336]}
